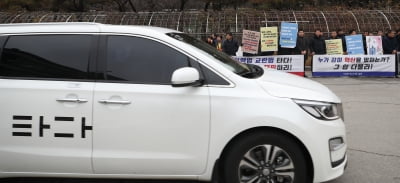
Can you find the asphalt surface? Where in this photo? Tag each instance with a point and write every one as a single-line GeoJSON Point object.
{"type": "Point", "coordinates": [372, 117]}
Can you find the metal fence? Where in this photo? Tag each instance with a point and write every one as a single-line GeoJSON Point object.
{"type": "Point", "coordinates": [200, 23]}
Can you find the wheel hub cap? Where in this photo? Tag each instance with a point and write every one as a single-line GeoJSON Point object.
{"type": "Point", "coordinates": [266, 163]}
{"type": "Point", "coordinates": [266, 172]}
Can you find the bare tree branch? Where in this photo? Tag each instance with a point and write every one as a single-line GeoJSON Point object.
{"type": "Point", "coordinates": [132, 6]}
{"type": "Point", "coordinates": [182, 5]}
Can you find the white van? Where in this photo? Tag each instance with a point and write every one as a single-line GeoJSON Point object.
{"type": "Point", "coordinates": [102, 101]}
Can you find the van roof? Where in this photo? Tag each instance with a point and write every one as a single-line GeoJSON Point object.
{"type": "Point", "coordinates": [79, 27]}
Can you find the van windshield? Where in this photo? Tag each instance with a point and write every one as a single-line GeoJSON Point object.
{"type": "Point", "coordinates": [224, 59]}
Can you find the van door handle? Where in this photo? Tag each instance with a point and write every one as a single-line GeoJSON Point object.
{"type": "Point", "coordinates": [124, 102]}
{"type": "Point", "coordinates": [76, 100]}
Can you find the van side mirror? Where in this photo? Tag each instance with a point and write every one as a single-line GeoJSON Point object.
{"type": "Point", "coordinates": [186, 76]}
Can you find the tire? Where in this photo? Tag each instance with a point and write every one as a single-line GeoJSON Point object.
{"type": "Point", "coordinates": [246, 160]}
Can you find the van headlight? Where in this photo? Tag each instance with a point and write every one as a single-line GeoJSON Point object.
{"type": "Point", "coordinates": [322, 110]}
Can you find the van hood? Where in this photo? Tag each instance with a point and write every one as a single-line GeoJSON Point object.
{"type": "Point", "coordinates": [281, 84]}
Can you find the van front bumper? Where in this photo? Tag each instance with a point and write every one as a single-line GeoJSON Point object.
{"type": "Point", "coordinates": [328, 148]}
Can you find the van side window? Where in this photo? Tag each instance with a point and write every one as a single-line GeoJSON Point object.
{"type": "Point", "coordinates": [213, 78]}
{"type": "Point", "coordinates": [2, 40]}
{"type": "Point", "coordinates": [46, 56]}
{"type": "Point", "coordinates": [140, 60]}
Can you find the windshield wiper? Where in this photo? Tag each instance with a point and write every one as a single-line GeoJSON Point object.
{"type": "Point", "coordinates": [245, 73]}
{"type": "Point", "coordinates": [255, 71]}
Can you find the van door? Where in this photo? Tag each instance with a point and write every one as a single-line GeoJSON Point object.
{"type": "Point", "coordinates": [46, 104]}
{"type": "Point", "coordinates": [143, 124]}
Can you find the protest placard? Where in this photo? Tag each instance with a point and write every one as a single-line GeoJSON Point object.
{"type": "Point", "coordinates": [355, 45]}
{"type": "Point", "coordinates": [374, 45]}
{"type": "Point", "coordinates": [288, 35]}
{"type": "Point", "coordinates": [250, 41]}
{"type": "Point", "coordinates": [334, 47]}
{"type": "Point", "coordinates": [269, 39]}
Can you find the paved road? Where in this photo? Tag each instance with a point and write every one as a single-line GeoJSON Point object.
{"type": "Point", "coordinates": [372, 115]}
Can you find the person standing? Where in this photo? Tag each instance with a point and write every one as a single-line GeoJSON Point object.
{"type": "Point", "coordinates": [284, 51]}
{"type": "Point", "coordinates": [210, 41]}
{"type": "Point", "coordinates": [302, 44]}
{"type": "Point", "coordinates": [317, 43]}
{"type": "Point", "coordinates": [214, 37]}
{"type": "Point", "coordinates": [352, 32]}
{"type": "Point", "coordinates": [230, 46]}
{"type": "Point", "coordinates": [398, 37]}
{"type": "Point", "coordinates": [390, 44]}
{"type": "Point", "coordinates": [218, 43]}
{"type": "Point", "coordinates": [342, 36]}
{"type": "Point", "coordinates": [364, 36]}
{"type": "Point", "coordinates": [380, 33]}
{"type": "Point", "coordinates": [334, 35]}
{"type": "Point", "coordinates": [340, 33]}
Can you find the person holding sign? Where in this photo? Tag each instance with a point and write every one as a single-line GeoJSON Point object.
{"type": "Point", "coordinates": [374, 45]}
{"type": "Point", "coordinates": [288, 38]}
{"type": "Point", "coordinates": [354, 44]}
{"type": "Point", "coordinates": [334, 35]}
{"type": "Point", "coordinates": [334, 44]}
{"type": "Point", "coordinates": [250, 41]}
{"type": "Point", "coordinates": [288, 35]}
{"type": "Point", "coordinates": [352, 32]}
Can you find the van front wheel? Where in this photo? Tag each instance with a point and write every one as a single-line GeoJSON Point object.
{"type": "Point", "coordinates": [265, 158]}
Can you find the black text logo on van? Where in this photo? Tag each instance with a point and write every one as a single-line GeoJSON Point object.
{"type": "Point", "coordinates": [25, 129]}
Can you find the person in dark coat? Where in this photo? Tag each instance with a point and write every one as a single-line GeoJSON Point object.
{"type": "Point", "coordinates": [214, 37]}
{"type": "Point", "coordinates": [352, 32]}
{"type": "Point", "coordinates": [230, 46]}
{"type": "Point", "coordinates": [317, 43]}
{"type": "Point", "coordinates": [334, 35]}
{"type": "Point", "coordinates": [302, 45]}
{"type": "Point", "coordinates": [390, 43]}
{"type": "Point", "coordinates": [285, 51]}
{"type": "Point", "coordinates": [381, 33]}
{"type": "Point", "coordinates": [210, 41]}
{"type": "Point", "coordinates": [340, 33]}
{"type": "Point", "coordinates": [398, 38]}
{"type": "Point", "coordinates": [342, 36]}
{"type": "Point", "coordinates": [366, 33]}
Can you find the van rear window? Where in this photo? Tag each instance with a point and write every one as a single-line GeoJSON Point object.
{"type": "Point", "coordinates": [46, 56]}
